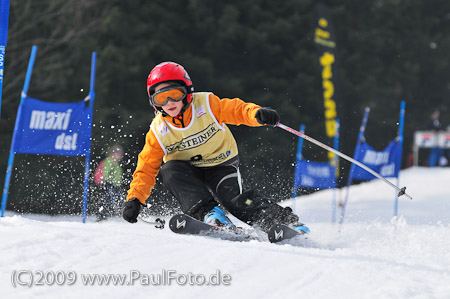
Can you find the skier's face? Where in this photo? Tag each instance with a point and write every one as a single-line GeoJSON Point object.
{"type": "Point", "coordinates": [171, 108]}
{"type": "Point", "coordinates": [117, 156]}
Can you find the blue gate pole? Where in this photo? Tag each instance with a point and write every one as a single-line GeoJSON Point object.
{"type": "Point", "coordinates": [352, 167]}
{"type": "Point", "coordinates": [336, 171]}
{"type": "Point", "coordinates": [18, 117]}
{"type": "Point", "coordinates": [297, 165]}
{"type": "Point", "coordinates": [399, 159]}
{"type": "Point", "coordinates": [2, 64]}
{"type": "Point", "coordinates": [88, 152]}
{"type": "Point", "coordinates": [4, 22]}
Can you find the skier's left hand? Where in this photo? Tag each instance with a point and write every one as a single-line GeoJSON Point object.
{"type": "Point", "coordinates": [267, 116]}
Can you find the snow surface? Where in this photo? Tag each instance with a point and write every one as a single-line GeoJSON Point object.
{"type": "Point", "coordinates": [372, 256]}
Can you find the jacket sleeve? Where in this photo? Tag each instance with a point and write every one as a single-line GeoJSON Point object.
{"type": "Point", "coordinates": [148, 165]}
{"type": "Point", "coordinates": [234, 111]}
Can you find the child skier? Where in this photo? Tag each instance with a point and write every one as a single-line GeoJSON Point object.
{"type": "Point", "coordinates": [189, 133]}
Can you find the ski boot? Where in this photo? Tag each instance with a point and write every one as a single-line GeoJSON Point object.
{"type": "Point", "coordinates": [301, 228]}
{"type": "Point", "coordinates": [217, 218]}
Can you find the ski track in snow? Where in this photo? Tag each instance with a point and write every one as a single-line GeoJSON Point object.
{"type": "Point", "coordinates": [373, 256]}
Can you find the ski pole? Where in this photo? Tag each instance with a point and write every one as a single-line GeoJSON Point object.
{"type": "Point", "coordinates": [401, 191]}
{"type": "Point", "coordinates": [159, 223]}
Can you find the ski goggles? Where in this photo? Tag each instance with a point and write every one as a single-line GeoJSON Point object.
{"type": "Point", "coordinates": [172, 93]}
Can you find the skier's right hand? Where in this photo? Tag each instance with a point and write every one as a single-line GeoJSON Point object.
{"type": "Point", "coordinates": [131, 210]}
{"type": "Point", "coordinates": [267, 116]}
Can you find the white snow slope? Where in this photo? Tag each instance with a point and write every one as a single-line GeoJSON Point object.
{"type": "Point", "coordinates": [371, 257]}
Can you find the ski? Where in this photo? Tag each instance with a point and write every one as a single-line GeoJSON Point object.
{"type": "Point", "coordinates": [281, 232]}
{"type": "Point", "coordinates": [184, 224]}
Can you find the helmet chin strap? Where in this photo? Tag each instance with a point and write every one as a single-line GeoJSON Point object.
{"type": "Point", "coordinates": [180, 115]}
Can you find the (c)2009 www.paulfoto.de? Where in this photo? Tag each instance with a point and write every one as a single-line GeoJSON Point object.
{"type": "Point", "coordinates": [30, 278]}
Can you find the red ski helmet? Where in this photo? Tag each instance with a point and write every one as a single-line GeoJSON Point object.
{"type": "Point", "coordinates": [169, 72]}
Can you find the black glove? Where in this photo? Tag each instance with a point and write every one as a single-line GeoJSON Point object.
{"type": "Point", "coordinates": [131, 210]}
{"type": "Point", "coordinates": [267, 116]}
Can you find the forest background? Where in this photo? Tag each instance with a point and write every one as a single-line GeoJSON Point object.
{"type": "Point", "coordinates": [258, 50]}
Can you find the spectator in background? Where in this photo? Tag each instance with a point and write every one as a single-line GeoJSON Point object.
{"type": "Point", "coordinates": [109, 177]}
{"type": "Point", "coordinates": [446, 156]}
{"type": "Point", "coordinates": [435, 152]}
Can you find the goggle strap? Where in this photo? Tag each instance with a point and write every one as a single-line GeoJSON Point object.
{"type": "Point", "coordinates": [189, 89]}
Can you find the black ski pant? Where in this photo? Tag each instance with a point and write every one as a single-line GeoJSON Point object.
{"type": "Point", "coordinates": [192, 187]}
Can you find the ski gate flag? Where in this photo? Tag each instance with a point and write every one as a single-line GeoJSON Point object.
{"type": "Point", "coordinates": [325, 40]}
{"type": "Point", "coordinates": [53, 128]}
{"type": "Point", "coordinates": [309, 174]}
{"type": "Point", "coordinates": [387, 162]}
{"type": "Point", "coordinates": [312, 174]}
{"type": "Point", "coordinates": [47, 128]}
{"type": "Point", "coordinates": [384, 162]}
